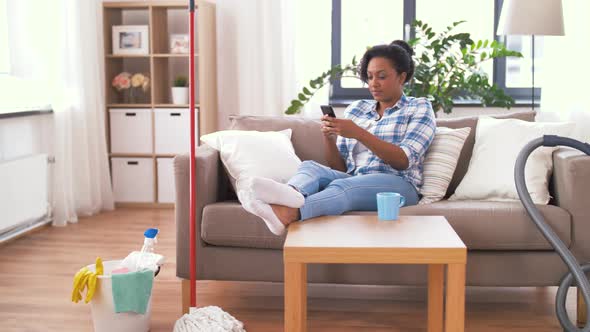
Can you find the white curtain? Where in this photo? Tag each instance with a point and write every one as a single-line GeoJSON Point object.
{"type": "Point", "coordinates": [564, 82]}
{"type": "Point", "coordinates": [58, 45]}
{"type": "Point", "coordinates": [266, 51]}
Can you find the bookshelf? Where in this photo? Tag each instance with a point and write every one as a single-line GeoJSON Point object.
{"type": "Point", "coordinates": [147, 111]}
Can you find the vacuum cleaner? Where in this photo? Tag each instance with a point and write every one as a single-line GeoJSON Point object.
{"type": "Point", "coordinates": [576, 272]}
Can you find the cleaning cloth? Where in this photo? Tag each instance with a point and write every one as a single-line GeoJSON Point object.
{"type": "Point", "coordinates": [132, 291]}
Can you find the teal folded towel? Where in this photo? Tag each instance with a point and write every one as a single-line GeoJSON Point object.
{"type": "Point", "coordinates": [131, 291]}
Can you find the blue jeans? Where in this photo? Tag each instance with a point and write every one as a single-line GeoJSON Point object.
{"type": "Point", "coordinates": [331, 192]}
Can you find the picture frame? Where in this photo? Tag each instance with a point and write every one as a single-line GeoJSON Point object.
{"type": "Point", "coordinates": [179, 44]}
{"type": "Point", "coordinates": [131, 39]}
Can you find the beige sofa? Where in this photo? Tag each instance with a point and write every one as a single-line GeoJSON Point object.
{"type": "Point", "coordinates": [505, 248]}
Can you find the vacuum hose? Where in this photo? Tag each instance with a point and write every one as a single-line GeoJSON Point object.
{"type": "Point", "coordinates": [577, 272]}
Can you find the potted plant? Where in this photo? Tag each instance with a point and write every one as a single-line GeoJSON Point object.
{"type": "Point", "coordinates": [180, 90]}
{"type": "Point", "coordinates": [447, 68]}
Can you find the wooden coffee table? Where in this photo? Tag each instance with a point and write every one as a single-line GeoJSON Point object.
{"type": "Point", "coordinates": [364, 239]}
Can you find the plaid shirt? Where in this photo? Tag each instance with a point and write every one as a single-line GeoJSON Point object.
{"type": "Point", "coordinates": [409, 124]}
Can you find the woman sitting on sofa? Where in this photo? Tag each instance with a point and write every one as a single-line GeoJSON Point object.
{"type": "Point", "coordinates": [378, 146]}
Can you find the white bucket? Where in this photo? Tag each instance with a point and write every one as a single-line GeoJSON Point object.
{"type": "Point", "coordinates": [104, 317]}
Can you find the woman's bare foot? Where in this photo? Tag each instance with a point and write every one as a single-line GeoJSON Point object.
{"type": "Point", "coordinates": [286, 214]}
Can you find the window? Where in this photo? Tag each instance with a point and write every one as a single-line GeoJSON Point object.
{"type": "Point", "coordinates": [357, 24]}
{"type": "Point", "coordinates": [362, 30]}
{"type": "Point", "coordinates": [479, 24]}
{"type": "Point", "coordinates": [518, 70]}
{"type": "Point", "coordinates": [4, 50]}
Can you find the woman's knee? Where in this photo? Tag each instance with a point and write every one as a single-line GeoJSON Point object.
{"type": "Point", "coordinates": [412, 197]}
{"type": "Point", "coordinates": [344, 183]}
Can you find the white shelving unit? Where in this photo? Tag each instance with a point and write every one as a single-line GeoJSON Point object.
{"type": "Point", "coordinates": [144, 134]}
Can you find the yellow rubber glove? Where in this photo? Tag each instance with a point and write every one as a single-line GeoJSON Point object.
{"type": "Point", "coordinates": [99, 266]}
{"type": "Point", "coordinates": [85, 278]}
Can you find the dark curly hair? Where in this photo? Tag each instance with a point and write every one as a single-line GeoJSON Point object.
{"type": "Point", "coordinates": [399, 53]}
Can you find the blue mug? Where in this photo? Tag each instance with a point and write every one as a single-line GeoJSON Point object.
{"type": "Point", "coordinates": [388, 204]}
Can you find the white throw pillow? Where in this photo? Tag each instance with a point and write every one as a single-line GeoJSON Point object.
{"type": "Point", "coordinates": [491, 169]}
{"type": "Point", "coordinates": [440, 162]}
{"type": "Point", "coordinates": [246, 153]}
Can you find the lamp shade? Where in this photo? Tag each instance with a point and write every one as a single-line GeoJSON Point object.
{"type": "Point", "coordinates": [531, 17]}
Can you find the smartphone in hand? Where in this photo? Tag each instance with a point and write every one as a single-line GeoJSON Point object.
{"type": "Point", "coordinates": [328, 110]}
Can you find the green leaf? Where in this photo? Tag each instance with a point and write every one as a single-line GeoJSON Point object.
{"type": "Point", "coordinates": [412, 42]}
{"type": "Point", "coordinates": [485, 43]}
{"type": "Point", "coordinates": [479, 43]}
{"type": "Point", "coordinates": [302, 97]}
{"type": "Point", "coordinates": [296, 102]}
{"type": "Point", "coordinates": [307, 92]}
{"type": "Point", "coordinates": [293, 109]}
{"type": "Point", "coordinates": [312, 84]}
{"type": "Point", "coordinates": [483, 56]}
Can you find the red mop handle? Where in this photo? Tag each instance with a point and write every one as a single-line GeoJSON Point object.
{"type": "Point", "coordinates": [193, 193]}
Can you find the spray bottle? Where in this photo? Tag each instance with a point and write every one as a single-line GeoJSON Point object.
{"type": "Point", "coordinates": [144, 260]}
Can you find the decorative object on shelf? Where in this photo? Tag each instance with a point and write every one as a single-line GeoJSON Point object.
{"type": "Point", "coordinates": [131, 39]}
{"type": "Point", "coordinates": [133, 87]}
{"type": "Point", "coordinates": [447, 68]}
{"type": "Point", "coordinates": [180, 90]}
{"type": "Point", "coordinates": [179, 44]}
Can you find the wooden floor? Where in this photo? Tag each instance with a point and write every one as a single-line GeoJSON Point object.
{"type": "Point", "coordinates": [36, 278]}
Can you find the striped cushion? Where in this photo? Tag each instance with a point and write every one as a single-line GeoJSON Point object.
{"type": "Point", "coordinates": [440, 162]}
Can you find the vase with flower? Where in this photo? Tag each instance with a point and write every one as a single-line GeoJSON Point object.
{"type": "Point", "coordinates": [132, 87]}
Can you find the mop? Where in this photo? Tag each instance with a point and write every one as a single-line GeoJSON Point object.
{"type": "Point", "coordinates": [211, 318]}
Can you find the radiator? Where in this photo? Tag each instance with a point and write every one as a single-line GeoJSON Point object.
{"type": "Point", "coordinates": [24, 195]}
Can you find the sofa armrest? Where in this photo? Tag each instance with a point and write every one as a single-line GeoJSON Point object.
{"type": "Point", "coordinates": [571, 180]}
{"type": "Point", "coordinates": [207, 192]}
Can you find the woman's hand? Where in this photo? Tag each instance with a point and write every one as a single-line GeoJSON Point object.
{"type": "Point", "coordinates": [326, 131]}
{"type": "Point", "coordinates": [342, 127]}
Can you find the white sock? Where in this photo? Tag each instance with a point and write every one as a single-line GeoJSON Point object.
{"type": "Point", "coordinates": [262, 210]}
{"type": "Point", "coordinates": [273, 192]}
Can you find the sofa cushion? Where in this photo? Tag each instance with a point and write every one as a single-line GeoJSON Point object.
{"type": "Point", "coordinates": [307, 137]}
{"type": "Point", "coordinates": [440, 163]}
{"type": "Point", "coordinates": [228, 224]}
{"type": "Point", "coordinates": [249, 153]}
{"type": "Point", "coordinates": [481, 225]}
{"type": "Point", "coordinates": [466, 152]}
{"type": "Point", "coordinates": [498, 145]}
{"type": "Point", "coordinates": [486, 225]}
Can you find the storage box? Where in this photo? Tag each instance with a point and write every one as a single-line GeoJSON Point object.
{"type": "Point", "coordinates": [165, 180]}
{"type": "Point", "coordinates": [133, 179]}
{"type": "Point", "coordinates": [131, 130]}
{"type": "Point", "coordinates": [172, 130]}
